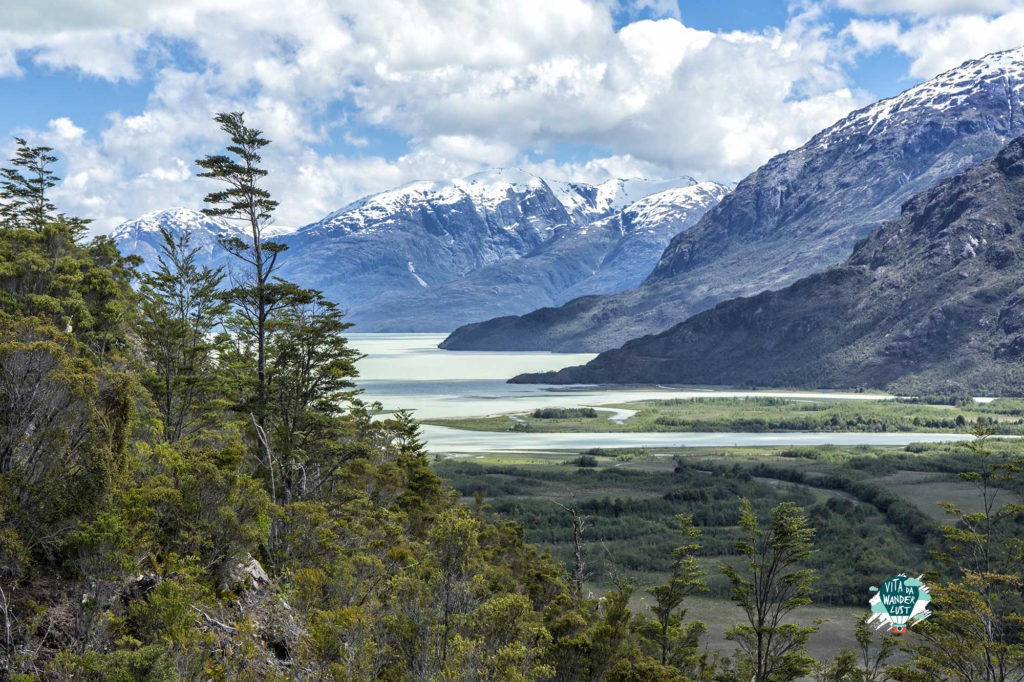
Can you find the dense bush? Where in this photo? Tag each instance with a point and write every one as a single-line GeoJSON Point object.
{"type": "Point", "coordinates": [564, 413]}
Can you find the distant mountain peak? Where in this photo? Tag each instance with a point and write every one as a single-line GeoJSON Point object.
{"type": "Point", "coordinates": [486, 185]}
{"type": "Point", "coordinates": [661, 206]}
{"type": "Point", "coordinates": [936, 95]}
{"type": "Point", "coordinates": [177, 219]}
{"type": "Point", "coordinates": [431, 255]}
{"type": "Point", "coordinates": [180, 219]}
{"type": "Point", "coordinates": [488, 190]}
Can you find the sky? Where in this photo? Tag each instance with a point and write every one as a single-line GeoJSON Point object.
{"type": "Point", "coordinates": [359, 96]}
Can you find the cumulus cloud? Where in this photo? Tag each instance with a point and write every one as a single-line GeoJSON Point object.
{"type": "Point", "coordinates": [937, 44]}
{"type": "Point", "coordinates": [465, 84]}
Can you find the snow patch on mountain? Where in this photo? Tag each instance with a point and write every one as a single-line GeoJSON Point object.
{"type": "Point", "coordinates": [615, 195]}
{"type": "Point", "coordinates": [946, 91]}
{"type": "Point", "coordinates": [488, 191]}
{"type": "Point", "coordinates": [142, 236]}
{"type": "Point", "coordinates": [177, 220]}
{"type": "Point", "coordinates": [674, 205]}
{"type": "Point", "coordinates": [412, 269]}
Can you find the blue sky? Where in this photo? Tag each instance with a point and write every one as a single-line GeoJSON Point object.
{"type": "Point", "coordinates": [358, 97]}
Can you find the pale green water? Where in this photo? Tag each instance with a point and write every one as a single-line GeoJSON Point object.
{"type": "Point", "coordinates": [409, 371]}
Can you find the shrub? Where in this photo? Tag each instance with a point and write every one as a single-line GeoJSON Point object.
{"type": "Point", "coordinates": [565, 413]}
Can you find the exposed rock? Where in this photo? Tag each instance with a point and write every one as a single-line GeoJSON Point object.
{"type": "Point", "coordinates": [247, 574]}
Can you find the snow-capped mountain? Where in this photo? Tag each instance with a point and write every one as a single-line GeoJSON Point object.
{"type": "Point", "coordinates": [590, 202]}
{"type": "Point", "coordinates": [798, 213]}
{"type": "Point", "coordinates": [388, 257]}
{"type": "Point", "coordinates": [142, 237]}
{"type": "Point", "coordinates": [928, 303]}
{"type": "Point", "coordinates": [849, 177]}
{"type": "Point", "coordinates": [396, 258]}
{"type": "Point", "coordinates": [608, 254]}
{"type": "Point", "coordinates": [1000, 76]}
{"type": "Point", "coordinates": [487, 191]}
{"type": "Point", "coordinates": [443, 229]}
{"type": "Point", "coordinates": [646, 226]}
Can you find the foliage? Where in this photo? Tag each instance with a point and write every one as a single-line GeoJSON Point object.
{"type": "Point", "coordinates": [770, 587]}
{"type": "Point", "coordinates": [181, 307]}
{"type": "Point", "coordinates": [564, 413]}
{"type": "Point", "coordinates": [671, 641]}
{"type": "Point", "coordinates": [255, 292]}
{"type": "Point", "coordinates": [759, 414]}
{"type": "Point", "coordinates": [191, 487]}
{"type": "Point", "coordinates": [632, 515]}
{"type": "Point", "coordinates": [23, 186]}
{"type": "Point", "coordinates": [977, 630]}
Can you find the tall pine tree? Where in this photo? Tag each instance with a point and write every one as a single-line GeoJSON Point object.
{"type": "Point", "coordinates": [255, 291]}
{"type": "Point", "coordinates": [23, 187]}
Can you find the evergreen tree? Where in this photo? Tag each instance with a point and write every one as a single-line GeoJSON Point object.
{"type": "Point", "coordinates": [23, 186]}
{"type": "Point", "coordinates": [255, 291]}
{"type": "Point", "coordinates": [84, 289]}
{"type": "Point", "coordinates": [874, 651]}
{"type": "Point", "coordinates": [769, 588]}
{"type": "Point", "coordinates": [181, 309]}
{"type": "Point", "coordinates": [675, 644]}
{"type": "Point", "coordinates": [309, 383]}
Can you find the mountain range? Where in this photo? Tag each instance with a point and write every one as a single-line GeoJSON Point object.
{"type": "Point", "coordinates": [931, 302]}
{"type": "Point", "coordinates": [429, 256]}
{"type": "Point", "coordinates": [799, 213]}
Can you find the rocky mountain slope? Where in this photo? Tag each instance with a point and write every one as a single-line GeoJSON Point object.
{"type": "Point", "coordinates": [429, 256]}
{"type": "Point", "coordinates": [603, 256]}
{"type": "Point", "coordinates": [932, 302]}
{"type": "Point", "coordinates": [800, 212]}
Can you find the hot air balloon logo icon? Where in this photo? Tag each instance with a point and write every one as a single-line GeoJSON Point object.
{"type": "Point", "coordinates": [899, 603]}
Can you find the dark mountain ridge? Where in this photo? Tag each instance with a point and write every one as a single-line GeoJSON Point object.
{"type": "Point", "coordinates": [932, 302]}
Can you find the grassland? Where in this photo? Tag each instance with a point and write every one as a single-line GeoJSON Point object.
{"type": "Point", "coordinates": [874, 509]}
{"type": "Point", "coordinates": [762, 415]}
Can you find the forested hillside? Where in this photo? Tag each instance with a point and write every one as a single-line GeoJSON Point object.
{"type": "Point", "coordinates": [191, 488]}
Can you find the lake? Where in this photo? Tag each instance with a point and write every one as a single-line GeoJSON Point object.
{"type": "Point", "coordinates": [409, 371]}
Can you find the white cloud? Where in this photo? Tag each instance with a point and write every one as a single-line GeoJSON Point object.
{"type": "Point", "coordinates": [937, 44]}
{"type": "Point", "coordinates": [103, 53]}
{"type": "Point", "coordinates": [468, 84]}
{"type": "Point", "coordinates": [355, 140]}
{"type": "Point", "coordinates": [595, 170]}
{"type": "Point", "coordinates": [471, 148]}
{"type": "Point", "coordinates": [660, 46]}
{"type": "Point", "coordinates": [872, 35]}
